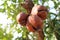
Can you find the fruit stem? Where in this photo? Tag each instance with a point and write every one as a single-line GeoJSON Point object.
{"type": "Point", "coordinates": [27, 4]}
{"type": "Point", "coordinates": [40, 35]}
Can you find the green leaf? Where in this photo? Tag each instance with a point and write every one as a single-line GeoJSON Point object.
{"type": "Point", "coordinates": [20, 1]}
{"type": "Point", "coordinates": [4, 38]}
{"type": "Point", "coordinates": [35, 1]}
{"type": "Point", "coordinates": [9, 36]}
{"type": "Point", "coordinates": [0, 25]}
{"type": "Point", "coordinates": [5, 4]}
{"type": "Point", "coordinates": [1, 33]}
{"type": "Point", "coordinates": [56, 5]}
{"type": "Point", "coordinates": [14, 1]}
{"type": "Point", "coordinates": [2, 10]}
{"type": "Point", "coordinates": [44, 1]}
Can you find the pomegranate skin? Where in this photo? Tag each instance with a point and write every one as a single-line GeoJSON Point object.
{"type": "Point", "coordinates": [42, 15]}
{"type": "Point", "coordinates": [22, 18]}
{"type": "Point", "coordinates": [41, 11]}
{"type": "Point", "coordinates": [36, 21]}
{"type": "Point", "coordinates": [30, 27]}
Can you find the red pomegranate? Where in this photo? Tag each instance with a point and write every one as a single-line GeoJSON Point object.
{"type": "Point", "coordinates": [41, 11]}
{"type": "Point", "coordinates": [36, 21]}
{"type": "Point", "coordinates": [22, 18]}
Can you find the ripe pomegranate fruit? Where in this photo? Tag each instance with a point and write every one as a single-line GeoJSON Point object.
{"type": "Point", "coordinates": [41, 11]}
{"type": "Point", "coordinates": [22, 18]}
{"type": "Point", "coordinates": [36, 21]}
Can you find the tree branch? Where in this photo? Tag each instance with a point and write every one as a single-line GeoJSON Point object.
{"type": "Point", "coordinates": [40, 35]}
{"type": "Point", "coordinates": [27, 4]}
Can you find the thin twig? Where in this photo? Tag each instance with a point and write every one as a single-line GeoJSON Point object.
{"type": "Point", "coordinates": [27, 4]}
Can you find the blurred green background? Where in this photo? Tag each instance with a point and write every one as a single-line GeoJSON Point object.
{"type": "Point", "coordinates": [11, 30]}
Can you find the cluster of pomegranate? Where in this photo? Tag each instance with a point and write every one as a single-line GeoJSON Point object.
{"type": "Point", "coordinates": [34, 20]}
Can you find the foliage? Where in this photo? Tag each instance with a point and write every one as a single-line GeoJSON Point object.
{"type": "Point", "coordinates": [13, 7]}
